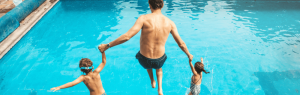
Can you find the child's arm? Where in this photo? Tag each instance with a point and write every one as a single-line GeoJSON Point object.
{"type": "Point", "coordinates": [192, 67]}
{"type": "Point", "coordinates": [101, 66]}
{"type": "Point", "coordinates": [70, 84]}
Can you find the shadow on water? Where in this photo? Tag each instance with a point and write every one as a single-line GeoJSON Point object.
{"type": "Point", "coordinates": [2, 73]}
{"type": "Point", "coordinates": [270, 19]}
{"type": "Point", "coordinates": [204, 90]}
{"type": "Point", "coordinates": [276, 83]}
{"type": "Point", "coordinates": [33, 92]}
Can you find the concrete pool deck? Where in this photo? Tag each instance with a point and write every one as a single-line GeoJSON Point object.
{"type": "Point", "coordinates": [25, 26]}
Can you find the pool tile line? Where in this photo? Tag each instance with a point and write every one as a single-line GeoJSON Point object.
{"type": "Point", "coordinates": [25, 26]}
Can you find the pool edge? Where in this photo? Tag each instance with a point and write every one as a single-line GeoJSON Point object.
{"type": "Point", "coordinates": [25, 26]}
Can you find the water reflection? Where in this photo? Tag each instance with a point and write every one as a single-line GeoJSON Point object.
{"type": "Point", "coordinates": [230, 29]}
{"type": "Point", "coordinates": [70, 31]}
{"type": "Point", "coordinates": [271, 21]}
{"type": "Point", "coordinates": [143, 6]}
{"type": "Point", "coordinates": [87, 19]}
{"type": "Point", "coordinates": [196, 6]}
{"type": "Point", "coordinates": [278, 83]}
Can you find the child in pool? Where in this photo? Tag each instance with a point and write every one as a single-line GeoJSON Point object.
{"type": "Point", "coordinates": [197, 77]}
{"type": "Point", "coordinates": [91, 79]}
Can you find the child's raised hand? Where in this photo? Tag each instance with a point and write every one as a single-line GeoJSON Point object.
{"type": "Point", "coordinates": [55, 89]}
{"type": "Point", "coordinates": [201, 60]}
{"type": "Point", "coordinates": [190, 56]}
{"type": "Point", "coordinates": [102, 47]}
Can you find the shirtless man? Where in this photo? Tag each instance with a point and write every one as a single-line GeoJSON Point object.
{"type": "Point", "coordinates": [155, 31]}
{"type": "Point", "coordinates": [91, 79]}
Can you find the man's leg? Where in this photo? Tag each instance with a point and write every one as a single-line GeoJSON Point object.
{"type": "Point", "coordinates": [150, 73]}
{"type": "Point", "coordinates": [159, 80]}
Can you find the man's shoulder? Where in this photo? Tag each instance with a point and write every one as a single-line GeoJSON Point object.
{"type": "Point", "coordinates": [150, 16]}
{"type": "Point", "coordinates": [141, 17]}
{"type": "Point", "coordinates": [145, 16]}
{"type": "Point", "coordinates": [168, 20]}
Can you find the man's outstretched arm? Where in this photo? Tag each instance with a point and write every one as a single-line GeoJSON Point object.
{"type": "Point", "coordinates": [125, 37]}
{"type": "Point", "coordinates": [180, 42]}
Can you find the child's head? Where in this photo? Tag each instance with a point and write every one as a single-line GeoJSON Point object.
{"type": "Point", "coordinates": [86, 65]}
{"type": "Point", "coordinates": [199, 67]}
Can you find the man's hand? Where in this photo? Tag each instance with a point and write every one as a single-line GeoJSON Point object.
{"type": "Point", "coordinates": [190, 57]}
{"type": "Point", "coordinates": [102, 47]}
{"type": "Point", "coordinates": [55, 89]}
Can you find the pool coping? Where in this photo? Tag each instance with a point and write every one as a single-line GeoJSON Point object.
{"type": "Point", "coordinates": [25, 26]}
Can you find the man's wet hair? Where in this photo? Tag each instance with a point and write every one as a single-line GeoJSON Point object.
{"type": "Point", "coordinates": [155, 4]}
{"type": "Point", "coordinates": [85, 62]}
{"type": "Point", "coordinates": [199, 67]}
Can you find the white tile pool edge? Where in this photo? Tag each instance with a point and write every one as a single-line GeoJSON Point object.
{"type": "Point", "coordinates": [25, 26]}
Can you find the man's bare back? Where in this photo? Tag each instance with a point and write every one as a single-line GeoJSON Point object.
{"type": "Point", "coordinates": [155, 32]}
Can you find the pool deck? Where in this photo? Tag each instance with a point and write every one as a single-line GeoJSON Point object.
{"type": "Point", "coordinates": [25, 25]}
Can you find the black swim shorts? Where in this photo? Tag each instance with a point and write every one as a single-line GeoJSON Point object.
{"type": "Point", "coordinates": [149, 63]}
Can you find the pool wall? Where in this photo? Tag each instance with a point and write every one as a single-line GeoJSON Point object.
{"type": "Point", "coordinates": [20, 25]}
{"type": "Point", "coordinates": [11, 21]}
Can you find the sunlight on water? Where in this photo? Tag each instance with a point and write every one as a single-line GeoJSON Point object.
{"type": "Point", "coordinates": [249, 46]}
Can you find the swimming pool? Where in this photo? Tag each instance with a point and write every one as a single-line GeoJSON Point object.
{"type": "Point", "coordinates": [250, 47]}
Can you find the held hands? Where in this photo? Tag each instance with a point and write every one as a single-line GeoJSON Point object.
{"type": "Point", "coordinates": [102, 47]}
{"type": "Point", "coordinates": [55, 89]}
{"type": "Point", "coordinates": [190, 57]}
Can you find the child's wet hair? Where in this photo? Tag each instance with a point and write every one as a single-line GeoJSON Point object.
{"type": "Point", "coordinates": [85, 62]}
{"type": "Point", "coordinates": [199, 67]}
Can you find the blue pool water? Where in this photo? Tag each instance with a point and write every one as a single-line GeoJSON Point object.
{"type": "Point", "coordinates": [250, 47]}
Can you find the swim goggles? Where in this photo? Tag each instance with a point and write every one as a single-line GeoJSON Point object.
{"type": "Point", "coordinates": [91, 67]}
